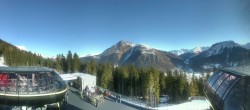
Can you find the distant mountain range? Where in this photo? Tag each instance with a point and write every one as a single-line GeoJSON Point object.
{"type": "Point", "coordinates": [227, 53]}
{"type": "Point", "coordinates": [195, 50]}
{"type": "Point", "coordinates": [247, 45]}
{"type": "Point", "coordinates": [125, 53]}
{"type": "Point", "coordinates": [223, 54]}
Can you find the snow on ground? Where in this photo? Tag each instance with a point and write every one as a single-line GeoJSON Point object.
{"type": "Point", "coordinates": [2, 61]}
{"type": "Point", "coordinates": [193, 105]}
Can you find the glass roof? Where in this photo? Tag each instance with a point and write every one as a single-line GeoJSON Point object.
{"type": "Point", "coordinates": [241, 70]}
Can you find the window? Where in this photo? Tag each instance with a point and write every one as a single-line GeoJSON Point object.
{"type": "Point", "coordinates": [3, 82]}
{"type": "Point", "coordinates": [43, 82]}
{"type": "Point", "coordinates": [22, 83]}
{"type": "Point", "coordinates": [211, 77]}
{"type": "Point", "coordinates": [32, 83]}
{"type": "Point", "coordinates": [219, 81]}
{"type": "Point", "coordinates": [12, 87]}
{"type": "Point", "coordinates": [235, 98]}
{"type": "Point", "coordinates": [221, 91]}
{"type": "Point", "coordinates": [58, 82]}
{"type": "Point", "coordinates": [215, 77]}
{"type": "Point", "coordinates": [224, 86]}
{"type": "Point", "coordinates": [230, 86]}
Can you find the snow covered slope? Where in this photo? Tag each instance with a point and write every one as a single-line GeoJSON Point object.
{"type": "Point", "coordinates": [219, 47]}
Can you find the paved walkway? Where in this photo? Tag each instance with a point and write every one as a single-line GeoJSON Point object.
{"type": "Point", "coordinates": [75, 103]}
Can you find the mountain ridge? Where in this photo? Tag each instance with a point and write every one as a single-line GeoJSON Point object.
{"type": "Point", "coordinates": [126, 53]}
{"type": "Point", "coordinates": [225, 54]}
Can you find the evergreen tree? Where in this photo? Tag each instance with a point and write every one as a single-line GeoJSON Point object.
{"type": "Point", "coordinates": [58, 65]}
{"type": "Point", "coordinates": [169, 83]}
{"type": "Point", "coordinates": [69, 62]}
{"type": "Point", "coordinates": [93, 67]}
{"type": "Point", "coordinates": [76, 63]}
{"type": "Point", "coordinates": [107, 77]}
{"type": "Point", "coordinates": [64, 63]}
{"type": "Point", "coordinates": [162, 82]}
{"type": "Point", "coordinates": [194, 90]}
{"type": "Point", "coordinates": [132, 80]}
{"type": "Point", "coordinates": [200, 86]}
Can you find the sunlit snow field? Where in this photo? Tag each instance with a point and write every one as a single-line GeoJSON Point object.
{"type": "Point", "coordinates": [193, 105]}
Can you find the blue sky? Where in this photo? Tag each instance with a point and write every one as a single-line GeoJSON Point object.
{"type": "Point", "coordinates": [50, 27]}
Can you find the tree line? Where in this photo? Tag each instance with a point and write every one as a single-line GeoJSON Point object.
{"type": "Point", "coordinates": [147, 83]}
{"type": "Point", "coordinates": [14, 56]}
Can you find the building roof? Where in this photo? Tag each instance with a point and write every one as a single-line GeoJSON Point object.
{"type": "Point", "coordinates": [25, 69]}
{"type": "Point", "coordinates": [83, 75]}
{"type": "Point", "coordinates": [241, 70]}
{"type": "Point", "coordinates": [67, 77]}
{"type": "Point", "coordinates": [72, 76]}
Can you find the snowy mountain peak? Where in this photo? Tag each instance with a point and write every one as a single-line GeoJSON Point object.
{"type": "Point", "coordinates": [146, 47]}
{"type": "Point", "coordinates": [219, 47]}
{"type": "Point", "coordinates": [225, 44]}
{"type": "Point", "coordinates": [122, 43]}
{"type": "Point", "coordinates": [197, 50]}
{"type": "Point", "coordinates": [179, 52]}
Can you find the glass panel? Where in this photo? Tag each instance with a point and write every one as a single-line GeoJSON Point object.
{"type": "Point", "coordinates": [224, 86]}
{"type": "Point", "coordinates": [32, 83]}
{"type": "Point", "coordinates": [2, 82]}
{"type": "Point", "coordinates": [216, 76]}
{"type": "Point", "coordinates": [12, 87]}
{"type": "Point", "coordinates": [229, 88]}
{"type": "Point", "coordinates": [248, 97]}
{"type": "Point", "coordinates": [42, 82]}
{"type": "Point", "coordinates": [59, 83]}
{"type": "Point", "coordinates": [235, 98]}
{"type": "Point", "coordinates": [211, 77]}
{"type": "Point", "coordinates": [52, 86]}
{"type": "Point", "coordinates": [219, 81]}
{"type": "Point", "coordinates": [22, 84]}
